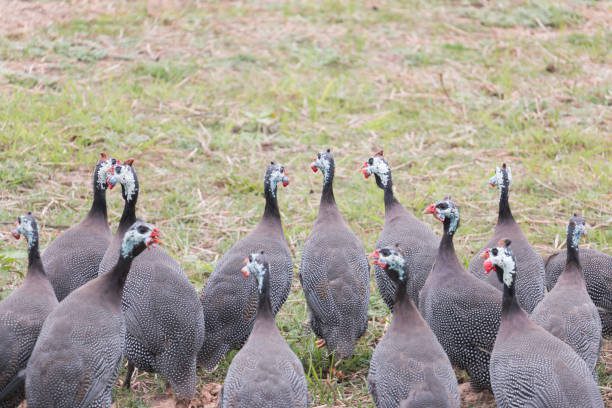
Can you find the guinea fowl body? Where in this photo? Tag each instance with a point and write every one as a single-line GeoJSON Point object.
{"type": "Point", "coordinates": [530, 284]}
{"type": "Point", "coordinates": [409, 367]}
{"type": "Point", "coordinates": [597, 271]}
{"type": "Point", "coordinates": [74, 257]}
{"type": "Point", "coordinates": [567, 311]}
{"type": "Point", "coordinates": [164, 319]}
{"type": "Point", "coordinates": [462, 311]}
{"type": "Point", "coordinates": [265, 373]}
{"type": "Point", "coordinates": [532, 368]}
{"type": "Point", "coordinates": [76, 359]}
{"type": "Point", "coordinates": [417, 241]}
{"type": "Point", "coordinates": [22, 315]}
{"type": "Point", "coordinates": [335, 273]}
{"type": "Point", "coordinates": [228, 302]}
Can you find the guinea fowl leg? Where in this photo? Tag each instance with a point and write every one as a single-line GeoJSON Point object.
{"type": "Point", "coordinates": [128, 376]}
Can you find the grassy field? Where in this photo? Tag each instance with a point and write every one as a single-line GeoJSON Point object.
{"type": "Point", "coordinates": [204, 94]}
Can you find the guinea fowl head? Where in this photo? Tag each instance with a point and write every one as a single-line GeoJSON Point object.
{"type": "Point", "coordinates": [445, 211]}
{"type": "Point", "coordinates": [575, 229]}
{"type": "Point", "coordinates": [124, 174]}
{"type": "Point", "coordinates": [139, 236]}
{"type": "Point", "coordinates": [103, 171]}
{"type": "Point", "coordinates": [256, 264]}
{"type": "Point", "coordinates": [379, 167]}
{"type": "Point", "coordinates": [325, 163]}
{"type": "Point", "coordinates": [502, 178]}
{"type": "Point", "coordinates": [501, 259]}
{"type": "Point", "coordinates": [26, 226]}
{"type": "Point", "coordinates": [275, 173]}
{"type": "Point", "coordinates": [392, 262]}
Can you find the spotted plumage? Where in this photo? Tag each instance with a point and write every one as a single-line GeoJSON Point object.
{"type": "Point", "coordinates": [567, 311]}
{"type": "Point", "coordinates": [530, 285]}
{"type": "Point", "coordinates": [265, 372]}
{"type": "Point", "coordinates": [334, 272]}
{"type": "Point", "coordinates": [22, 315]}
{"type": "Point", "coordinates": [416, 239]}
{"type": "Point", "coordinates": [597, 270]}
{"type": "Point", "coordinates": [73, 258]}
{"type": "Point", "coordinates": [529, 366]}
{"type": "Point", "coordinates": [164, 319]}
{"type": "Point", "coordinates": [409, 367]}
{"type": "Point", "coordinates": [76, 359]}
{"type": "Point", "coordinates": [462, 311]}
{"type": "Point", "coordinates": [228, 302]}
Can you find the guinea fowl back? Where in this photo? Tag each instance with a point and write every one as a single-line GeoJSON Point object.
{"type": "Point", "coordinates": [334, 272]}
{"type": "Point", "coordinates": [228, 303]}
{"type": "Point", "coordinates": [597, 270]}
{"type": "Point", "coordinates": [530, 285]}
{"type": "Point", "coordinates": [265, 372]}
{"type": "Point", "coordinates": [22, 315]}
{"type": "Point", "coordinates": [409, 366]}
{"type": "Point", "coordinates": [165, 323]}
{"type": "Point", "coordinates": [567, 311]}
{"type": "Point", "coordinates": [462, 311]}
{"type": "Point", "coordinates": [73, 258]}
{"type": "Point", "coordinates": [416, 239]}
{"type": "Point", "coordinates": [529, 366]}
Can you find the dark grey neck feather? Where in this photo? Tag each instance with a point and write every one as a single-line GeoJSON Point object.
{"type": "Point", "coordinates": [327, 194]}
{"type": "Point", "coordinates": [35, 265]}
{"type": "Point", "coordinates": [98, 207]}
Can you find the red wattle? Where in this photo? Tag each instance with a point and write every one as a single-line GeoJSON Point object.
{"type": "Point", "coordinates": [314, 168]}
{"type": "Point", "coordinates": [488, 266]}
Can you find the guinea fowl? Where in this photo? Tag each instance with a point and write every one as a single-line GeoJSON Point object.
{"type": "Point", "coordinates": [76, 359]}
{"type": "Point", "coordinates": [165, 324]}
{"type": "Point", "coordinates": [228, 302]}
{"type": "Point", "coordinates": [462, 311]}
{"type": "Point", "coordinates": [73, 258]}
{"type": "Point", "coordinates": [22, 315]}
{"type": "Point", "coordinates": [416, 239]}
{"type": "Point", "coordinates": [530, 285]}
{"type": "Point", "coordinates": [567, 311]}
{"type": "Point", "coordinates": [409, 366]}
{"type": "Point", "coordinates": [265, 372]}
{"type": "Point", "coordinates": [529, 366]}
{"type": "Point", "coordinates": [597, 271]}
{"type": "Point", "coordinates": [334, 273]}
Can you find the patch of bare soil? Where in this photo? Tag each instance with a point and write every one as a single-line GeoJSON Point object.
{"type": "Point", "coordinates": [475, 399]}
{"type": "Point", "coordinates": [208, 397]}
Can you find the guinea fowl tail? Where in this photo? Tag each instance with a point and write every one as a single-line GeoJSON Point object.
{"type": "Point", "coordinates": [16, 382]}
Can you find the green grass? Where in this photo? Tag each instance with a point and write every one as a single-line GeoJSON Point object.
{"type": "Point", "coordinates": [204, 96]}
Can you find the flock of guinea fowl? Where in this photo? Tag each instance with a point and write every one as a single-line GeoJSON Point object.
{"type": "Point", "coordinates": [529, 331]}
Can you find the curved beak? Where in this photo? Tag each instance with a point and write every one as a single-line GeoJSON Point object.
{"type": "Point", "coordinates": [245, 271]}
{"type": "Point", "coordinates": [376, 257]}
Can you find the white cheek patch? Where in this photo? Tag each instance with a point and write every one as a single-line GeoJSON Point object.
{"type": "Point", "coordinates": [130, 240]}
{"type": "Point", "coordinates": [381, 169]}
{"type": "Point", "coordinates": [127, 180]}
{"type": "Point", "coordinates": [498, 178]}
{"type": "Point", "coordinates": [103, 173]}
{"type": "Point", "coordinates": [397, 262]}
{"type": "Point", "coordinates": [275, 177]}
{"type": "Point", "coordinates": [258, 270]}
{"type": "Point", "coordinates": [323, 165]}
{"type": "Point", "coordinates": [27, 229]}
{"type": "Point", "coordinates": [505, 260]}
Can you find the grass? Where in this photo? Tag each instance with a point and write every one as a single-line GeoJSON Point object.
{"type": "Point", "coordinates": [204, 95]}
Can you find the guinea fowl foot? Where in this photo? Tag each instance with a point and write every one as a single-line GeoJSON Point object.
{"type": "Point", "coordinates": [320, 343]}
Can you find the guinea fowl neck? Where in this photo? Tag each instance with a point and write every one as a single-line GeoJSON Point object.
{"type": "Point", "coordinates": [264, 306]}
{"type": "Point", "coordinates": [573, 269]}
{"type": "Point", "coordinates": [504, 214]}
{"type": "Point", "coordinates": [115, 279]}
{"type": "Point", "coordinates": [98, 207]}
{"type": "Point", "coordinates": [510, 304]}
{"type": "Point", "coordinates": [403, 306]}
{"type": "Point", "coordinates": [327, 194]}
{"type": "Point", "coordinates": [128, 217]}
{"type": "Point", "coordinates": [35, 265]}
{"type": "Point", "coordinates": [390, 200]}
{"type": "Point", "coordinates": [446, 250]}
{"type": "Point", "coordinates": [271, 211]}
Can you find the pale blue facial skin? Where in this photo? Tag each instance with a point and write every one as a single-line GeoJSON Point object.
{"type": "Point", "coordinates": [396, 262]}
{"type": "Point", "coordinates": [277, 176]}
{"type": "Point", "coordinates": [579, 231]}
{"type": "Point", "coordinates": [498, 178]}
{"type": "Point", "coordinates": [505, 260]}
{"type": "Point", "coordinates": [380, 168]}
{"type": "Point", "coordinates": [126, 179]}
{"type": "Point", "coordinates": [255, 267]}
{"type": "Point", "coordinates": [451, 211]}
{"type": "Point", "coordinates": [134, 237]}
{"type": "Point", "coordinates": [26, 229]}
